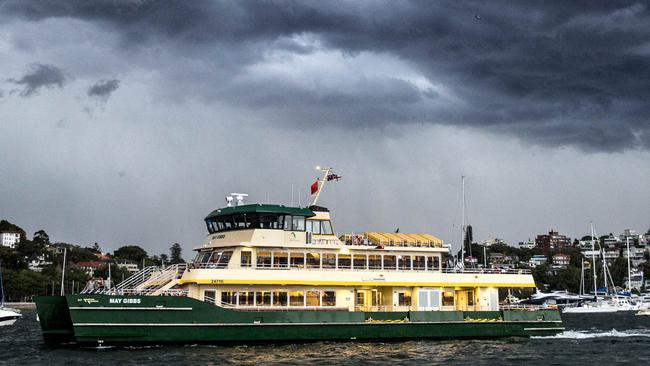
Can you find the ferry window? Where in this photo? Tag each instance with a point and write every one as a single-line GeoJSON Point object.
{"type": "Point", "coordinates": [326, 227]}
{"type": "Point", "coordinates": [313, 260]}
{"type": "Point", "coordinates": [221, 259]}
{"type": "Point", "coordinates": [404, 298]}
{"type": "Point", "coordinates": [269, 221]}
{"type": "Point", "coordinates": [313, 226]}
{"type": "Point", "coordinates": [296, 298]}
{"type": "Point", "coordinates": [344, 261]}
{"type": "Point", "coordinates": [433, 263]}
{"type": "Point", "coordinates": [228, 297]}
{"type": "Point", "coordinates": [227, 223]}
{"type": "Point", "coordinates": [288, 222]}
{"type": "Point", "coordinates": [263, 298]}
{"type": "Point", "coordinates": [264, 259]}
{"type": "Point", "coordinates": [279, 298]}
{"type": "Point", "coordinates": [329, 260]}
{"type": "Point", "coordinates": [374, 261]}
{"type": "Point", "coordinates": [390, 262]}
{"type": "Point", "coordinates": [419, 262]}
{"type": "Point", "coordinates": [359, 261]}
{"type": "Point", "coordinates": [297, 260]}
{"type": "Point", "coordinates": [360, 299]}
{"type": "Point", "coordinates": [246, 258]}
{"type": "Point", "coordinates": [246, 298]}
{"type": "Point", "coordinates": [470, 298]}
{"type": "Point", "coordinates": [280, 259]}
{"type": "Point", "coordinates": [298, 223]}
{"type": "Point", "coordinates": [447, 298]}
{"type": "Point", "coordinates": [206, 257]}
{"type": "Point", "coordinates": [240, 221]}
{"type": "Point", "coordinates": [404, 262]}
{"type": "Point", "coordinates": [329, 298]}
{"type": "Point", "coordinates": [208, 296]}
{"type": "Point", "coordinates": [313, 298]}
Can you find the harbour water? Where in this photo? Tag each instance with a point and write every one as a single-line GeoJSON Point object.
{"type": "Point", "coordinates": [620, 338]}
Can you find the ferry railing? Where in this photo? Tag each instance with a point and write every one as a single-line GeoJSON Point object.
{"type": "Point", "coordinates": [160, 279]}
{"type": "Point", "coordinates": [441, 270]}
{"type": "Point", "coordinates": [137, 278]}
{"type": "Point", "coordinates": [522, 307]}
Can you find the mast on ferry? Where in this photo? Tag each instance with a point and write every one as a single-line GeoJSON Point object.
{"type": "Point", "coordinates": [319, 184]}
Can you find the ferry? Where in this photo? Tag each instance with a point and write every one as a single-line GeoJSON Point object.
{"type": "Point", "coordinates": [275, 273]}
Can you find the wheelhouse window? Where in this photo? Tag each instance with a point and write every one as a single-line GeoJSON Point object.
{"type": "Point", "coordinates": [326, 227]}
{"type": "Point", "coordinates": [220, 259]}
{"type": "Point", "coordinates": [246, 259]}
{"type": "Point", "coordinates": [359, 261]}
{"type": "Point", "coordinates": [328, 298]}
{"type": "Point", "coordinates": [345, 261]}
{"type": "Point", "coordinates": [419, 262]}
{"type": "Point", "coordinates": [297, 260]}
{"type": "Point", "coordinates": [329, 260]}
{"type": "Point", "coordinates": [374, 261]}
{"type": "Point", "coordinates": [280, 259]}
{"type": "Point", "coordinates": [313, 226]}
{"type": "Point", "coordinates": [298, 223]}
{"type": "Point", "coordinates": [313, 260]}
{"type": "Point", "coordinates": [264, 259]}
{"type": "Point", "coordinates": [390, 262]}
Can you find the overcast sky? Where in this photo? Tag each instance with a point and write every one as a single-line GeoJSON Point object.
{"type": "Point", "coordinates": [127, 122]}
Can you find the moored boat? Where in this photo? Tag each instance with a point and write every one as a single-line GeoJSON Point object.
{"type": "Point", "coordinates": [276, 273]}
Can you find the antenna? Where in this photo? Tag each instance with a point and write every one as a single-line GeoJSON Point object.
{"type": "Point", "coordinates": [229, 200]}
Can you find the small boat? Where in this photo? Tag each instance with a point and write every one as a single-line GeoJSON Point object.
{"type": "Point", "coordinates": [644, 312]}
{"type": "Point", "coordinates": [7, 316]}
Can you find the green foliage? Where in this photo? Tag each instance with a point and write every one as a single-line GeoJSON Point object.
{"type": "Point", "coordinates": [131, 252]}
{"type": "Point", "coordinates": [117, 273]}
{"type": "Point", "coordinates": [41, 238]}
{"type": "Point", "coordinates": [23, 284]}
{"type": "Point", "coordinates": [175, 254]}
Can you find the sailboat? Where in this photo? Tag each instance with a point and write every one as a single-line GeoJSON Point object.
{"type": "Point", "coordinates": [7, 316]}
{"type": "Point", "coordinates": [615, 304]}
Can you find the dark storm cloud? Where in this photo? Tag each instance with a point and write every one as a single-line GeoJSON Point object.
{"type": "Point", "coordinates": [553, 73]}
{"type": "Point", "coordinates": [40, 76]}
{"type": "Point", "coordinates": [103, 88]}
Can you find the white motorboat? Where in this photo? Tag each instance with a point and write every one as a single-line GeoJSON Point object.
{"type": "Point", "coordinates": [8, 316]}
{"type": "Point", "coordinates": [645, 312]}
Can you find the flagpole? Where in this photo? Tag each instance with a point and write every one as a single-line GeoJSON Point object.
{"type": "Point", "coordinates": [321, 184]}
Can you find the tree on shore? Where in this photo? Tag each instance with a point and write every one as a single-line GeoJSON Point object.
{"type": "Point", "coordinates": [175, 254]}
{"type": "Point", "coordinates": [131, 252]}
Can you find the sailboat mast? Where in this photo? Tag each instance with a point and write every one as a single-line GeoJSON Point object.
{"type": "Point", "coordinates": [629, 270]}
{"type": "Point", "coordinates": [462, 237]}
{"type": "Point", "coordinates": [2, 289]}
{"type": "Point", "coordinates": [593, 259]}
{"type": "Point", "coordinates": [65, 252]}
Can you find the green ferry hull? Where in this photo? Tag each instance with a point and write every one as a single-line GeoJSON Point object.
{"type": "Point", "coordinates": [105, 319]}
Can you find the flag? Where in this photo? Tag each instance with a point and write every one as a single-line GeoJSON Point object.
{"type": "Point", "coordinates": [333, 177]}
{"type": "Point", "coordinates": [314, 187]}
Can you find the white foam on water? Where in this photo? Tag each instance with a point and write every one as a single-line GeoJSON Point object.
{"type": "Point", "coordinates": [572, 334]}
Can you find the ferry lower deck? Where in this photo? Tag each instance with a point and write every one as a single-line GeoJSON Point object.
{"type": "Point", "coordinates": [110, 319]}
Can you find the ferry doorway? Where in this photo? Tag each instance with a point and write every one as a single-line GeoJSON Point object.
{"type": "Point", "coordinates": [465, 300]}
{"type": "Point", "coordinates": [368, 299]}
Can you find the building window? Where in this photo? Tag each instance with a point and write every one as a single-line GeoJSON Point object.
{"type": "Point", "coordinates": [313, 298]}
{"type": "Point", "coordinates": [313, 260]}
{"type": "Point", "coordinates": [297, 260]}
{"type": "Point", "coordinates": [279, 298]}
{"type": "Point", "coordinates": [404, 298]}
{"type": "Point", "coordinates": [374, 261]}
{"type": "Point", "coordinates": [246, 258]}
{"type": "Point", "coordinates": [280, 259]}
{"type": "Point", "coordinates": [344, 261]}
{"type": "Point", "coordinates": [329, 298]}
{"type": "Point", "coordinates": [448, 298]}
{"type": "Point", "coordinates": [263, 259]}
{"type": "Point", "coordinates": [390, 262]}
{"type": "Point", "coordinates": [329, 260]}
{"type": "Point", "coordinates": [419, 262]}
{"type": "Point", "coordinates": [263, 298]}
{"type": "Point", "coordinates": [296, 298]}
{"type": "Point", "coordinates": [359, 261]}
